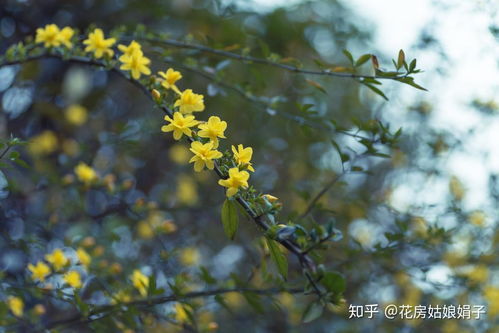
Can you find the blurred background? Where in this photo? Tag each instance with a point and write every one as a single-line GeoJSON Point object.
{"type": "Point", "coordinates": [419, 228]}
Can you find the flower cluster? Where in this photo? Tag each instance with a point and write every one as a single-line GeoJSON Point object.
{"type": "Point", "coordinates": [204, 135]}
{"type": "Point", "coordinates": [208, 134]}
{"type": "Point", "coordinates": [52, 36]}
{"type": "Point", "coordinates": [57, 262]}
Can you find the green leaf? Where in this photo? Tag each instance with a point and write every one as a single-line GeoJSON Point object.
{"type": "Point", "coordinates": [254, 301]}
{"type": "Point", "coordinates": [206, 276]}
{"type": "Point", "coordinates": [412, 65]}
{"type": "Point", "coordinates": [362, 60]}
{"type": "Point", "coordinates": [334, 282]}
{"type": "Point", "coordinates": [278, 257]}
{"type": "Point", "coordinates": [410, 81]}
{"type": "Point", "coordinates": [313, 311]}
{"type": "Point", "coordinates": [376, 90]}
{"type": "Point", "coordinates": [348, 55]}
{"type": "Point", "coordinates": [230, 219]}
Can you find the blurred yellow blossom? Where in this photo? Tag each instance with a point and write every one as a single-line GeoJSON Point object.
{"type": "Point", "coordinates": [130, 49]}
{"type": "Point", "coordinates": [57, 259]}
{"type": "Point", "coordinates": [85, 173]}
{"type": "Point", "coordinates": [121, 296]}
{"type": "Point", "coordinates": [76, 115]}
{"type": "Point", "coordinates": [189, 256]}
{"type": "Point", "coordinates": [43, 144]}
{"type": "Point", "coordinates": [170, 78]}
{"type": "Point", "coordinates": [180, 313]}
{"type": "Point", "coordinates": [83, 257]}
{"type": "Point", "coordinates": [140, 282]}
{"type": "Point", "coordinates": [179, 153]}
{"type": "Point", "coordinates": [236, 180]}
{"type": "Point", "coordinates": [186, 190]}
{"type": "Point", "coordinates": [242, 156]}
{"type": "Point", "coordinates": [456, 188]}
{"type": "Point", "coordinates": [189, 102]}
{"type": "Point", "coordinates": [491, 295]}
{"type": "Point", "coordinates": [179, 125]}
{"type": "Point", "coordinates": [16, 305]}
{"type": "Point", "coordinates": [97, 44]}
{"type": "Point", "coordinates": [478, 218]}
{"type": "Point", "coordinates": [213, 129]}
{"type": "Point", "coordinates": [478, 274]}
{"type": "Point", "coordinates": [65, 37]}
{"type": "Point", "coordinates": [204, 154]}
{"type": "Point", "coordinates": [39, 309]}
{"type": "Point", "coordinates": [73, 278]}
{"type": "Point", "coordinates": [39, 271]}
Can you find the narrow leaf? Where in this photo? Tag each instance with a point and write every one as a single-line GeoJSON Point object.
{"type": "Point", "coordinates": [278, 257]}
{"type": "Point", "coordinates": [230, 219]}
{"type": "Point", "coordinates": [362, 60]}
{"type": "Point", "coordinates": [348, 55]}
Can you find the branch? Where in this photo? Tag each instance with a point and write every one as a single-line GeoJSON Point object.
{"type": "Point", "coordinates": [106, 310]}
{"type": "Point", "coordinates": [251, 59]}
{"type": "Point", "coordinates": [305, 261]}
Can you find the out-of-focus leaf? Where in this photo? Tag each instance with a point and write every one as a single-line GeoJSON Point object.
{"type": "Point", "coordinates": [278, 257]}
{"type": "Point", "coordinates": [230, 219]}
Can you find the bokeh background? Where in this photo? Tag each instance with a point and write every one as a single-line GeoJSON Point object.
{"type": "Point", "coordinates": [419, 228]}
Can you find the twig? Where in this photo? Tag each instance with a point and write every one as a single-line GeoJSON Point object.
{"type": "Point", "coordinates": [251, 59]}
{"type": "Point", "coordinates": [109, 309]}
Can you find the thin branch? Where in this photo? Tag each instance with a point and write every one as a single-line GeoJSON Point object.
{"type": "Point", "coordinates": [106, 310]}
{"type": "Point", "coordinates": [305, 261]}
{"type": "Point", "coordinates": [319, 195]}
{"type": "Point", "coordinates": [262, 61]}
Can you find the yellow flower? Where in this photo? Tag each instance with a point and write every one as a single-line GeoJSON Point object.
{"type": "Point", "coordinates": [203, 155]}
{"type": "Point", "coordinates": [189, 102]}
{"type": "Point", "coordinates": [478, 218]}
{"type": "Point", "coordinates": [65, 37]}
{"type": "Point", "coordinates": [121, 296]}
{"type": "Point", "coordinates": [39, 309]}
{"type": "Point", "coordinates": [85, 173]}
{"type": "Point", "coordinates": [213, 129]}
{"type": "Point", "coordinates": [242, 156]}
{"type": "Point", "coordinates": [179, 154]}
{"type": "Point", "coordinates": [57, 259]}
{"type": "Point", "coordinates": [16, 306]}
{"type": "Point", "coordinates": [189, 256]}
{"type": "Point", "coordinates": [76, 115]}
{"type": "Point", "coordinates": [84, 257]}
{"type": "Point", "coordinates": [130, 49]}
{"type": "Point", "coordinates": [43, 144]}
{"type": "Point", "coordinates": [49, 35]}
{"type": "Point", "coordinates": [136, 63]}
{"type": "Point", "coordinates": [186, 190]}
{"type": "Point", "coordinates": [180, 313]}
{"type": "Point", "coordinates": [478, 274]}
{"type": "Point", "coordinates": [236, 180]}
{"type": "Point", "coordinates": [97, 44]}
{"type": "Point", "coordinates": [73, 278]}
{"type": "Point", "coordinates": [179, 125]}
{"type": "Point", "coordinates": [170, 78]}
{"type": "Point", "coordinates": [140, 281]}
{"type": "Point", "coordinates": [491, 294]}
{"type": "Point", "coordinates": [39, 272]}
